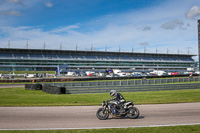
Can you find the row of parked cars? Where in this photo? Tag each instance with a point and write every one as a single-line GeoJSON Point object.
{"type": "Point", "coordinates": [107, 73]}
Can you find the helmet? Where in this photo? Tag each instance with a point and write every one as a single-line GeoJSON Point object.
{"type": "Point", "coordinates": [113, 93]}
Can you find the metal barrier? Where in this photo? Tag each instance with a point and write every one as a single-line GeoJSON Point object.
{"type": "Point", "coordinates": [106, 89]}
{"type": "Point", "coordinates": [126, 82]}
{"type": "Point", "coordinates": [122, 86]}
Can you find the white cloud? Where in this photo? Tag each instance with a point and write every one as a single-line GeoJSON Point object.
{"type": "Point", "coordinates": [173, 24]}
{"type": "Point", "coordinates": [147, 28]}
{"type": "Point", "coordinates": [16, 2]}
{"type": "Point", "coordinates": [14, 7]}
{"type": "Point", "coordinates": [65, 29]}
{"type": "Point", "coordinates": [115, 30]}
{"type": "Point", "coordinates": [11, 13]}
{"type": "Point", "coordinates": [48, 4]}
{"type": "Point", "coordinates": [193, 12]}
{"type": "Point", "coordinates": [144, 44]}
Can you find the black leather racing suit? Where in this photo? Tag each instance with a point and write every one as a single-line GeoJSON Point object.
{"type": "Point", "coordinates": [120, 100]}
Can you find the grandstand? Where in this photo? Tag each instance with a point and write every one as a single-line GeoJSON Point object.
{"type": "Point", "coordinates": [47, 60]}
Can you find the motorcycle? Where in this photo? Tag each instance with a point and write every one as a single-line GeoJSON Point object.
{"type": "Point", "coordinates": [117, 110]}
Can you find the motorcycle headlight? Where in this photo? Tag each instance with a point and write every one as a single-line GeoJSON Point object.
{"type": "Point", "coordinates": [103, 103]}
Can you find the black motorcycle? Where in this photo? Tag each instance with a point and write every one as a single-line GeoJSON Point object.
{"type": "Point", "coordinates": [117, 110]}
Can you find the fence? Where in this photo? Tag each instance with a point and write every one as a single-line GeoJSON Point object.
{"type": "Point", "coordinates": [106, 89]}
{"type": "Point", "coordinates": [122, 86]}
{"type": "Point", "coordinates": [126, 82]}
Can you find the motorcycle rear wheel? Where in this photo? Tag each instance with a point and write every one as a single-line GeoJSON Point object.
{"type": "Point", "coordinates": [133, 113]}
{"type": "Point", "coordinates": [102, 114]}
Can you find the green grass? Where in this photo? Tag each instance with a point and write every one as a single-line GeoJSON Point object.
{"type": "Point", "coordinates": [22, 97]}
{"type": "Point", "coordinates": [171, 129]}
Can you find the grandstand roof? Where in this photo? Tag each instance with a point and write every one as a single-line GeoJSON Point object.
{"type": "Point", "coordinates": [87, 52]}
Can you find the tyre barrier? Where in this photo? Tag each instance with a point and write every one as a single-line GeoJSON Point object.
{"type": "Point", "coordinates": [46, 88]}
{"type": "Point", "coordinates": [53, 89]}
{"type": "Point", "coordinates": [33, 86]}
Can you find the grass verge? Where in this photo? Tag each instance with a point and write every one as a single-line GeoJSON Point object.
{"type": "Point", "coordinates": [22, 97]}
{"type": "Point", "coordinates": [171, 129]}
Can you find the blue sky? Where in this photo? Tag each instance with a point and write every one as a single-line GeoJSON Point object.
{"type": "Point", "coordinates": [154, 25]}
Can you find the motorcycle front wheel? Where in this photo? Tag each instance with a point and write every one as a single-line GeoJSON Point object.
{"type": "Point", "coordinates": [102, 114]}
{"type": "Point", "coordinates": [133, 113]}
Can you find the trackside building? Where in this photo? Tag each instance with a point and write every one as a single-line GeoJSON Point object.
{"type": "Point", "coordinates": [48, 60]}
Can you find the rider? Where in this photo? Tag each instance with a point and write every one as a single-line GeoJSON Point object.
{"type": "Point", "coordinates": [117, 97]}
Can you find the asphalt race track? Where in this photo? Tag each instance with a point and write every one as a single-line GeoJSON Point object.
{"type": "Point", "coordinates": [84, 117]}
{"type": "Point", "coordinates": [11, 85]}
